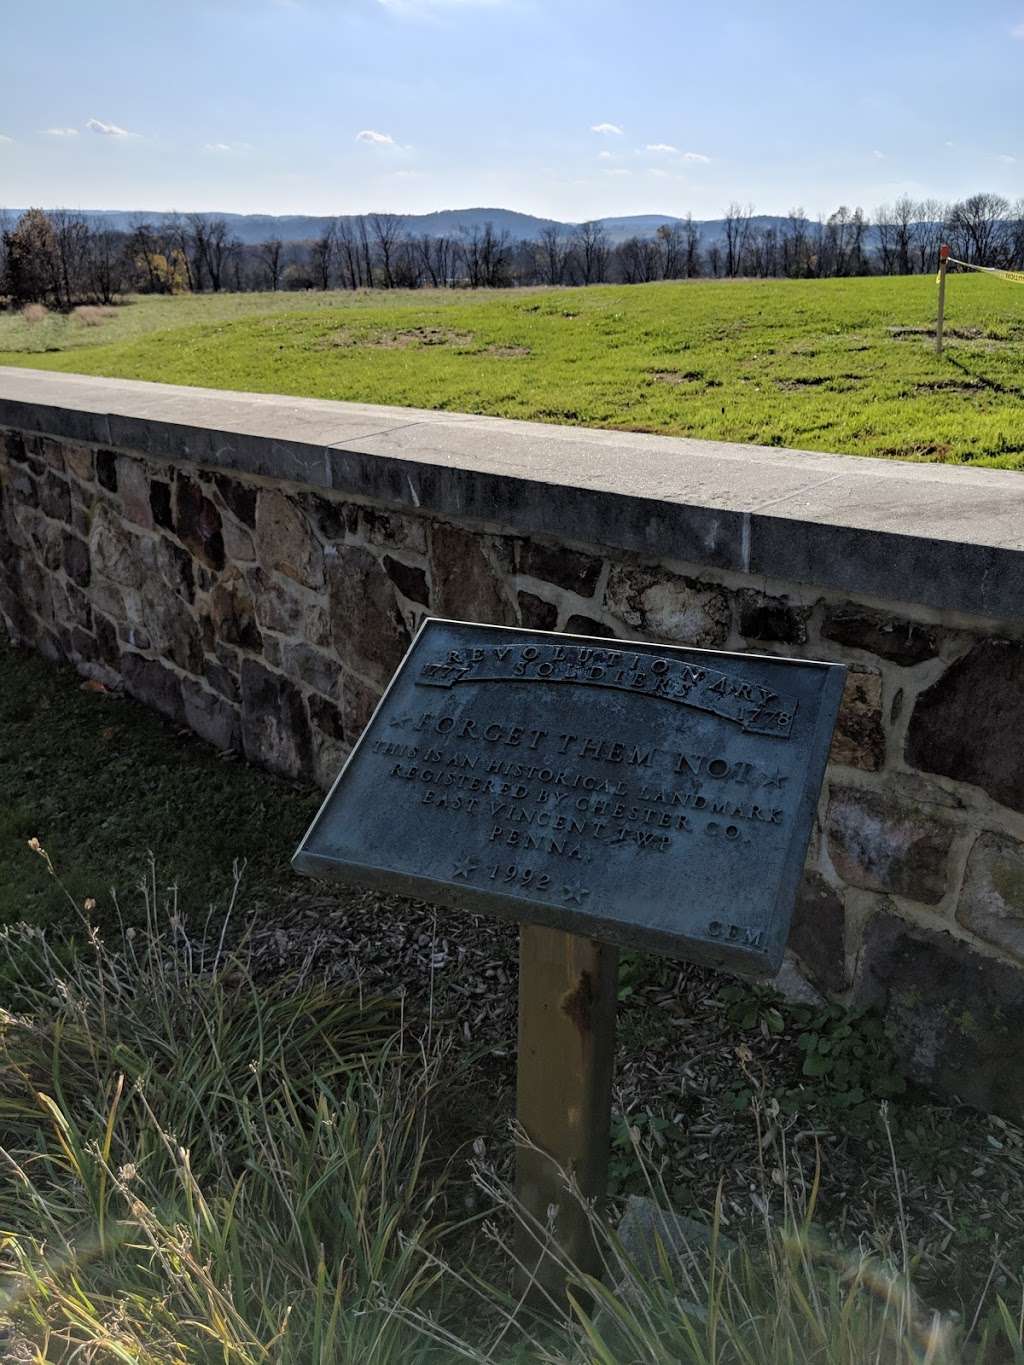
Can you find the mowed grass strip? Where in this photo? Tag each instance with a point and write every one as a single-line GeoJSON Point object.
{"type": "Point", "coordinates": [833, 365]}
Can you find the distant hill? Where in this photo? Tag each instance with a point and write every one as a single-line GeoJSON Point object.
{"type": "Point", "coordinates": [251, 228]}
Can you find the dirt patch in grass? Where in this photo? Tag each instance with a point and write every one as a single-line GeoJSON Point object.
{"type": "Point", "coordinates": [410, 338]}
{"type": "Point", "coordinates": [507, 352]}
{"type": "Point", "coordinates": [937, 451]}
{"type": "Point", "coordinates": [817, 381]}
{"type": "Point", "coordinates": [683, 377]}
{"type": "Point", "coordinates": [950, 386]}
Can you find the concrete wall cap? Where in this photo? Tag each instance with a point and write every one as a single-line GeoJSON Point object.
{"type": "Point", "coordinates": [943, 536]}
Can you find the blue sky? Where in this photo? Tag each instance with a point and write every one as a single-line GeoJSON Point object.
{"type": "Point", "coordinates": [555, 107]}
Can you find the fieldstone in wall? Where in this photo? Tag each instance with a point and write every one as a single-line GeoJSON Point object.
{"type": "Point", "coordinates": [107, 643]}
{"type": "Point", "coordinates": [116, 553]}
{"type": "Point", "coordinates": [309, 666]}
{"type": "Point", "coordinates": [357, 706]}
{"type": "Point", "coordinates": [285, 542]}
{"type": "Point", "coordinates": [366, 624]}
{"type": "Point", "coordinates": [51, 452]}
{"type": "Point", "coordinates": [106, 470]}
{"type": "Point", "coordinates": [968, 725]}
{"type": "Point", "coordinates": [239, 546]}
{"type": "Point", "coordinates": [326, 716]}
{"type": "Point", "coordinates": [133, 492]}
{"type": "Point", "coordinates": [55, 497]}
{"type": "Point", "coordinates": [680, 610]}
{"type": "Point", "coordinates": [585, 625]}
{"type": "Point", "coordinates": [890, 637]}
{"type": "Point", "coordinates": [75, 605]}
{"type": "Point", "coordinates": [177, 568]}
{"type": "Point", "coordinates": [47, 537]}
{"type": "Point", "coordinates": [570, 569]}
{"type": "Point", "coordinates": [78, 460]}
{"type": "Point", "coordinates": [275, 728]}
{"type": "Point", "coordinates": [160, 504]}
{"type": "Point", "coordinates": [223, 680]}
{"type": "Point", "coordinates": [859, 737]}
{"type": "Point", "coordinates": [197, 522]}
{"type": "Point", "coordinates": [375, 525]}
{"type": "Point", "coordinates": [149, 681]}
{"type": "Point", "coordinates": [277, 604]}
{"type": "Point", "coordinates": [77, 565]}
{"type": "Point", "coordinates": [22, 490]}
{"type": "Point", "coordinates": [535, 613]}
{"type": "Point", "coordinates": [992, 897]}
{"type": "Point", "coordinates": [170, 627]}
{"type": "Point", "coordinates": [410, 580]}
{"type": "Point", "coordinates": [210, 716]}
{"type": "Point", "coordinates": [232, 612]}
{"type": "Point", "coordinates": [955, 1016]}
{"type": "Point", "coordinates": [882, 844]}
{"type": "Point", "coordinates": [772, 619]}
{"type": "Point", "coordinates": [817, 933]}
{"type": "Point", "coordinates": [238, 498]}
{"type": "Point", "coordinates": [467, 574]}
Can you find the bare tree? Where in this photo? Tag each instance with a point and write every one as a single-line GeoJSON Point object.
{"type": "Point", "coordinates": [1015, 234]}
{"type": "Point", "coordinates": [591, 242]}
{"type": "Point", "coordinates": [977, 228]}
{"type": "Point", "coordinates": [794, 247]}
{"type": "Point", "coordinates": [929, 234]}
{"type": "Point", "coordinates": [106, 264]}
{"type": "Point", "coordinates": [321, 256]}
{"type": "Point", "coordinates": [271, 253]}
{"type": "Point", "coordinates": [386, 229]}
{"type": "Point", "coordinates": [736, 230]}
{"type": "Point", "coordinates": [691, 247]}
{"type": "Point", "coordinates": [639, 260]}
{"type": "Point", "coordinates": [553, 253]}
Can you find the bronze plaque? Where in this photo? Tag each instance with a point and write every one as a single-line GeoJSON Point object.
{"type": "Point", "coordinates": [652, 796]}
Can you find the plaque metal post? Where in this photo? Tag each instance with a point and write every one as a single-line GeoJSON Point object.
{"type": "Point", "coordinates": [567, 996]}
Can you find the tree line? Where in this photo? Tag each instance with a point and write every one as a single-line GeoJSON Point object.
{"type": "Point", "coordinates": [63, 259]}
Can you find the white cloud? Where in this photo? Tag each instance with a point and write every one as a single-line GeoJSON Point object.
{"type": "Point", "coordinates": [606, 128]}
{"type": "Point", "coordinates": [656, 170]}
{"type": "Point", "coordinates": [696, 156]}
{"type": "Point", "coordinates": [226, 147]}
{"type": "Point", "coordinates": [5, 138]}
{"type": "Point", "coordinates": [879, 156]}
{"type": "Point", "coordinates": [950, 144]}
{"type": "Point", "coordinates": [606, 156]}
{"type": "Point", "coordinates": [377, 139]}
{"type": "Point", "coordinates": [1017, 32]}
{"type": "Point", "coordinates": [1006, 159]}
{"type": "Point", "coordinates": [618, 170]}
{"type": "Point", "coordinates": [661, 147]}
{"type": "Point", "coordinates": [60, 132]}
{"type": "Point", "coordinates": [96, 125]}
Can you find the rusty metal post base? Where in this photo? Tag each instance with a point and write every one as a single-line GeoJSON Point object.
{"type": "Point", "coordinates": [567, 995]}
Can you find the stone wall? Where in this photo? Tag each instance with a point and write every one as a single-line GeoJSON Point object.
{"type": "Point", "coordinates": [267, 613]}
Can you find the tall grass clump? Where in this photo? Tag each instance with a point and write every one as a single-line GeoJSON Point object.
{"type": "Point", "coordinates": [202, 1167]}
{"type": "Point", "coordinates": [781, 1294]}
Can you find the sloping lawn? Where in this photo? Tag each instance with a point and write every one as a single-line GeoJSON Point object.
{"type": "Point", "coordinates": [834, 365]}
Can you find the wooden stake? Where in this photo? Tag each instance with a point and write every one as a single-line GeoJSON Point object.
{"type": "Point", "coordinates": [567, 994]}
{"type": "Point", "coordinates": [943, 256]}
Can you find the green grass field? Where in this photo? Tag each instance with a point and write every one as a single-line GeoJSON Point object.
{"type": "Point", "coordinates": [835, 365]}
